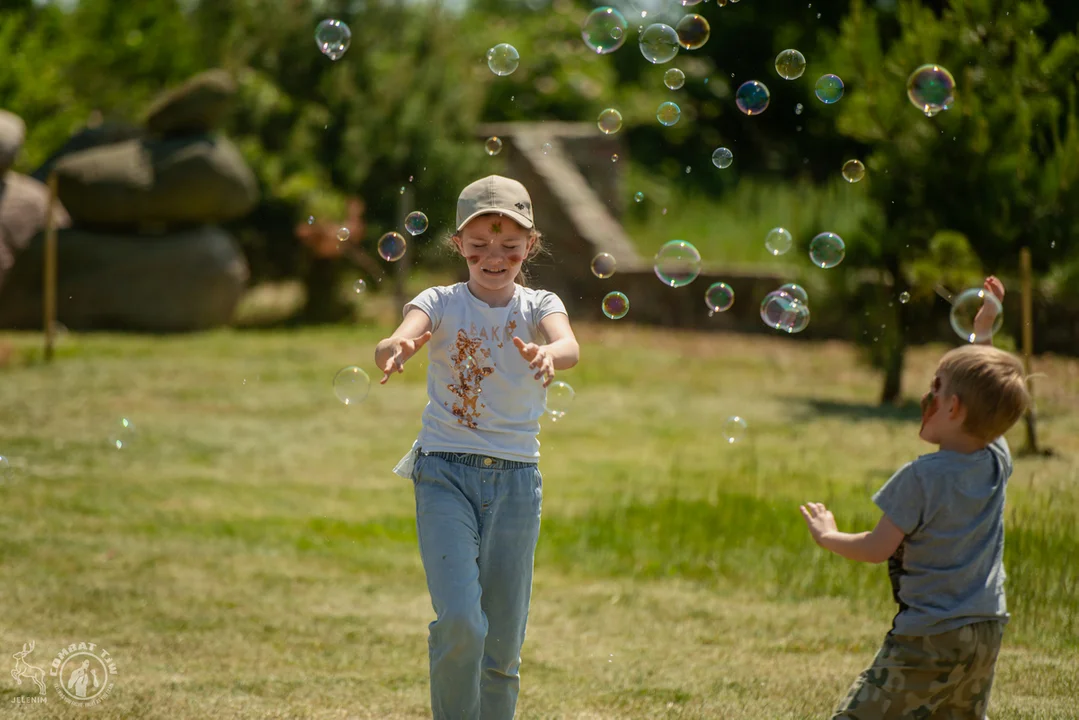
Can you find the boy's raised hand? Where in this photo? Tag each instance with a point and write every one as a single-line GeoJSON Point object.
{"type": "Point", "coordinates": [392, 357]}
{"type": "Point", "coordinates": [537, 358]}
{"type": "Point", "coordinates": [819, 519]}
{"type": "Point", "coordinates": [987, 313]}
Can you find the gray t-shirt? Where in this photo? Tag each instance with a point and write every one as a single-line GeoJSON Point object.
{"type": "Point", "coordinates": [949, 570]}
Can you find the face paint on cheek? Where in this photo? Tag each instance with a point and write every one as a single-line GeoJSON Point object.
{"type": "Point", "coordinates": [472, 259]}
{"type": "Point", "coordinates": [515, 258]}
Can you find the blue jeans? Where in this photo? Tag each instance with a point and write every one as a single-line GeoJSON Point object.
{"type": "Point", "coordinates": [478, 520]}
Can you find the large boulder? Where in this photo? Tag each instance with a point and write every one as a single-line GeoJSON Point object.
{"type": "Point", "coordinates": [198, 106]}
{"type": "Point", "coordinates": [105, 133]}
{"type": "Point", "coordinates": [200, 179]}
{"type": "Point", "coordinates": [180, 282]}
{"type": "Point", "coordinates": [24, 204]}
{"type": "Point", "coordinates": [12, 136]}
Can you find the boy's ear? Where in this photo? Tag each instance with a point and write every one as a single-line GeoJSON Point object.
{"type": "Point", "coordinates": [955, 407]}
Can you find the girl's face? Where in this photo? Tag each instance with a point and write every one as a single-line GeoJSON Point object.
{"type": "Point", "coordinates": [495, 248]}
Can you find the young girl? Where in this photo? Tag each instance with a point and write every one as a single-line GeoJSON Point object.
{"type": "Point", "coordinates": [495, 346]}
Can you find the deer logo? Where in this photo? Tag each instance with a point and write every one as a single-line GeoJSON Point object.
{"type": "Point", "coordinates": [24, 669]}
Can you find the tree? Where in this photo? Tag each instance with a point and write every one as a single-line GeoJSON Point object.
{"type": "Point", "coordinates": [1000, 167]}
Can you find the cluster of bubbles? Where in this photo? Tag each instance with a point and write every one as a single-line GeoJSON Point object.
{"type": "Point", "coordinates": [786, 309]}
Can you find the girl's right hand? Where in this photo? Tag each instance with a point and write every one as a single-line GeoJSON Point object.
{"type": "Point", "coordinates": [392, 354]}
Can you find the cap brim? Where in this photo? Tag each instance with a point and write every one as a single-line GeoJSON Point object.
{"type": "Point", "coordinates": [517, 217]}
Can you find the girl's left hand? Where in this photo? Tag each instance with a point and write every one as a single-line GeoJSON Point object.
{"type": "Point", "coordinates": [538, 359]}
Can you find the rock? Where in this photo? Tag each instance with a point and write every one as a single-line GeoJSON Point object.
{"type": "Point", "coordinates": [12, 136]}
{"type": "Point", "coordinates": [198, 106]}
{"type": "Point", "coordinates": [90, 137]}
{"type": "Point", "coordinates": [24, 203]}
{"type": "Point", "coordinates": [185, 281]}
{"type": "Point", "coordinates": [194, 180]}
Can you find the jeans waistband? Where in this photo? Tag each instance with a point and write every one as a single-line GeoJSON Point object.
{"type": "Point", "coordinates": [483, 462]}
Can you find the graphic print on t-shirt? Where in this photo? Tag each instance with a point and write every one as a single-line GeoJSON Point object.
{"type": "Point", "coordinates": [470, 361]}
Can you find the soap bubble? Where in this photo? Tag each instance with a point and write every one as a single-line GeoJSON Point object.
{"type": "Point", "coordinates": [853, 171]}
{"type": "Point", "coordinates": [493, 146]}
{"type": "Point", "coordinates": [668, 113]}
{"type": "Point", "coordinates": [658, 43]}
{"type": "Point", "coordinates": [798, 109]}
{"type": "Point", "coordinates": [904, 297]}
{"type": "Point", "coordinates": [559, 397]}
{"type": "Point", "coordinates": [416, 223]}
{"type": "Point", "coordinates": [615, 305]}
{"type": "Point", "coordinates": [614, 157]}
{"type": "Point", "coordinates": [965, 308]}
{"type": "Point", "coordinates": [719, 297]}
{"type": "Point", "coordinates": [778, 241]}
{"type": "Point", "coordinates": [752, 97]}
{"type": "Point", "coordinates": [333, 38]}
{"type": "Point", "coordinates": [795, 290]}
{"type": "Point", "coordinates": [677, 263]}
{"type": "Point", "coordinates": [693, 32]}
{"type": "Point", "coordinates": [603, 265]}
{"type": "Point", "coordinates": [503, 59]}
{"type": "Point", "coordinates": [609, 121]}
{"type": "Point", "coordinates": [391, 246]}
{"type": "Point", "coordinates": [674, 78]}
{"type": "Point", "coordinates": [351, 385]}
{"type": "Point", "coordinates": [310, 219]}
{"type": "Point", "coordinates": [734, 429]}
{"type": "Point", "coordinates": [790, 64]}
{"type": "Point", "coordinates": [343, 234]}
{"type": "Point", "coordinates": [827, 250]}
{"type": "Point", "coordinates": [829, 89]}
{"type": "Point", "coordinates": [359, 287]}
{"type": "Point", "coordinates": [6, 473]}
{"type": "Point", "coordinates": [722, 158]}
{"type": "Point", "coordinates": [931, 88]}
{"type": "Point", "coordinates": [784, 312]}
{"type": "Point", "coordinates": [638, 196]}
{"type": "Point", "coordinates": [604, 30]}
{"type": "Point", "coordinates": [122, 434]}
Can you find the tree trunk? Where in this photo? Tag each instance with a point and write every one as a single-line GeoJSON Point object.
{"type": "Point", "coordinates": [893, 364]}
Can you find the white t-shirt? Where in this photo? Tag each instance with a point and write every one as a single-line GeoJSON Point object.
{"type": "Point", "coordinates": [483, 398]}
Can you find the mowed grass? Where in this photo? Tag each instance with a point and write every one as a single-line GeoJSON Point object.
{"type": "Point", "coordinates": [249, 553]}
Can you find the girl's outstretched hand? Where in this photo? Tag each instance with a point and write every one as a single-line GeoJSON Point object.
{"type": "Point", "coordinates": [538, 359]}
{"type": "Point", "coordinates": [392, 355]}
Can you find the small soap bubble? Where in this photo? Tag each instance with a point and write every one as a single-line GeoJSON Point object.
{"type": "Point", "coordinates": [402, 190]}
{"type": "Point", "coordinates": [658, 43]}
{"type": "Point", "coordinates": [614, 157]}
{"type": "Point", "coordinates": [790, 64]}
{"type": "Point", "coordinates": [904, 297]}
{"type": "Point", "coordinates": [603, 265]}
{"type": "Point", "coordinates": [853, 171]}
{"type": "Point", "coordinates": [333, 38]}
{"type": "Point", "coordinates": [343, 234]}
{"type": "Point", "coordinates": [752, 97]}
{"type": "Point", "coordinates": [415, 223]}
{"type": "Point", "coordinates": [965, 309]}
{"type": "Point", "coordinates": [391, 246]}
{"type": "Point", "coordinates": [668, 113]}
{"type": "Point", "coordinates": [798, 109]}
{"type": "Point", "coordinates": [795, 290]}
{"type": "Point", "coordinates": [827, 250]}
{"type": "Point", "coordinates": [547, 147]}
{"type": "Point", "coordinates": [351, 385]}
{"type": "Point", "coordinates": [493, 145]}
{"type": "Point", "coordinates": [931, 89]}
{"type": "Point", "coordinates": [503, 59]}
{"type": "Point", "coordinates": [674, 78]}
{"type": "Point", "coordinates": [693, 31]}
{"type": "Point", "coordinates": [778, 241]}
{"type": "Point", "coordinates": [829, 89]}
{"type": "Point", "coordinates": [722, 158]}
{"type": "Point", "coordinates": [677, 263]}
{"type": "Point", "coordinates": [615, 305]}
{"type": "Point", "coordinates": [604, 30]}
{"type": "Point", "coordinates": [638, 196]}
{"type": "Point", "coordinates": [559, 398]}
{"type": "Point", "coordinates": [310, 219]}
{"type": "Point", "coordinates": [609, 121]}
{"type": "Point", "coordinates": [719, 297]}
{"type": "Point", "coordinates": [734, 429]}
{"type": "Point", "coordinates": [784, 312]}
{"type": "Point", "coordinates": [123, 434]}
{"type": "Point", "coordinates": [359, 287]}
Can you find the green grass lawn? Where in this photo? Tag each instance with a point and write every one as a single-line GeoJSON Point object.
{"type": "Point", "coordinates": [249, 554]}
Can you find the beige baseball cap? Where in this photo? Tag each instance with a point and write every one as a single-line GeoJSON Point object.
{"type": "Point", "coordinates": [495, 194]}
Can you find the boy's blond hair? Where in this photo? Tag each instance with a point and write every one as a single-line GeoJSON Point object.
{"type": "Point", "coordinates": [990, 384]}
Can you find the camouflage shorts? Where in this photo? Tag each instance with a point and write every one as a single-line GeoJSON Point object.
{"type": "Point", "coordinates": [946, 676]}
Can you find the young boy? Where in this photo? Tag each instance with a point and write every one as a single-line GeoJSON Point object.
{"type": "Point", "coordinates": [942, 533]}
